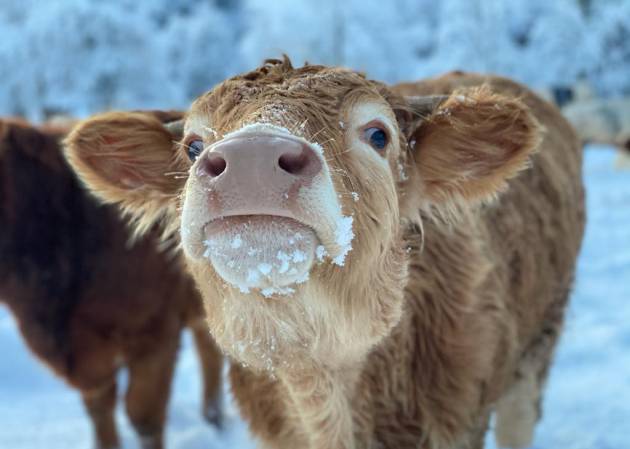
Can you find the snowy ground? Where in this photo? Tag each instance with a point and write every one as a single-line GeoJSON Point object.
{"type": "Point", "coordinates": [587, 405]}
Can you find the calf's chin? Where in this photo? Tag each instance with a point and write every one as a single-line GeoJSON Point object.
{"type": "Point", "coordinates": [331, 317]}
{"type": "Point", "coordinates": [261, 252]}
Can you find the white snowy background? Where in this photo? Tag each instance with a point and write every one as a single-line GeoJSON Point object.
{"type": "Point", "coordinates": [81, 56]}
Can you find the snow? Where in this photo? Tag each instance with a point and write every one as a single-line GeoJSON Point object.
{"type": "Point", "coordinates": [276, 256]}
{"type": "Point", "coordinates": [264, 268]}
{"type": "Point", "coordinates": [586, 405]}
{"type": "Point", "coordinates": [134, 55]}
{"type": "Point", "coordinates": [343, 236]}
{"type": "Point", "coordinates": [282, 291]}
{"type": "Point", "coordinates": [237, 242]}
{"type": "Point", "coordinates": [320, 252]}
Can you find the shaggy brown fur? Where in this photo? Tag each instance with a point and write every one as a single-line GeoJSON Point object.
{"type": "Point", "coordinates": [451, 301]}
{"type": "Point", "coordinates": [87, 301]}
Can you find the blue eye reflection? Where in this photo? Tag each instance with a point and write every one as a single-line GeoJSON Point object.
{"type": "Point", "coordinates": [194, 149]}
{"type": "Point", "coordinates": [377, 137]}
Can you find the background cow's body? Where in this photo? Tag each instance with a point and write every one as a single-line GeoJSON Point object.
{"type": "Point", "coordinates": [87, 300]}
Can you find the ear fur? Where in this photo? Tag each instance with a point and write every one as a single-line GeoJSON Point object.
{"type": "Point", "coordinates": [128, 158]}
{"type": "Point", "coordinates": [470, 145]}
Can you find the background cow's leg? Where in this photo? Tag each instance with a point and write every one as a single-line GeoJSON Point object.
{"type": "Point", "coordinates": [100, 404]}
{"type": "Point", "coordinates": [519, 409]}
{"type": "Point", "coordinates": [622, 161]}
{"type": "Point", "coordinates": [211, 361]}
{"type": "Point", "coordinates": [150, 378]}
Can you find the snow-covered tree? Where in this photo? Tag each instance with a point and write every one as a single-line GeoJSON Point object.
{"type": "Point", "coordinates": [82, 56]}
{"type": "Point", "coordinates": [610, 72]}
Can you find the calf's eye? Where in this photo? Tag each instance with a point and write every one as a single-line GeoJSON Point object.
{"type": "Point", "coordinates": [194, 148]}
{"type": "Point", "coordinates": [376, 137]}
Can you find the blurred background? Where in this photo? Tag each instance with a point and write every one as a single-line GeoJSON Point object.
{"type": "Point", "coordinates": [81, 56]}
{"type": "Point", "coordinates": [77, 57]}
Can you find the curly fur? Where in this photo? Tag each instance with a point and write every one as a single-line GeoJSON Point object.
{"type": "Point", "coordinates": [465, 248]}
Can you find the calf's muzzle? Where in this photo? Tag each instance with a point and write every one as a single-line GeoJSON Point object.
{"type": "Point", "coordinates": [257, 174]}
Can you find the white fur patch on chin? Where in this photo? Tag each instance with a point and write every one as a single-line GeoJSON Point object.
{"type": "Point", "coordinates": [261, 252]}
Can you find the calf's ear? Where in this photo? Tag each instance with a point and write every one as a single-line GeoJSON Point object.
{"type": "Point", "coordinates": [129, 158]}
{"type": "Point", "coordinates": [465, 146]}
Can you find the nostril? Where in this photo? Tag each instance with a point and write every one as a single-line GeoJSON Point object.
{"type": "Point", "coordinates": [293, 163]}
{"type": "Point", "coordinates": [213, 165]}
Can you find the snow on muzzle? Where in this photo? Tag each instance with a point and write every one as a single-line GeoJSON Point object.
{"type": "Point", "coordinates": [260, 251]}
{"type": "Point", "coordinates": [261, 206]}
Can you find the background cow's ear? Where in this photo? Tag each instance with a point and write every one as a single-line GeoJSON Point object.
{"type": "Point", "coordinates": [467, 146]}
{"type": "Point", "coordinates": [129, 158]}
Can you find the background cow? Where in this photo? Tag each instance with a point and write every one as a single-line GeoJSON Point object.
{"type": "Point", "coordinates": [89, 301]}
{"type": "Point", "coordinates": [373, 257]}
{"type": "Point", "coordinates": [603, 121]}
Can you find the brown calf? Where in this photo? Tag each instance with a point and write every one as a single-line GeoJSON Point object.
{"type": "Point", "coordinates": [381, 260]}
{"type": "Point", "coordinates": [88, 301]}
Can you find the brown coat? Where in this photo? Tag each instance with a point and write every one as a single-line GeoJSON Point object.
{"type": "Point", "coordinates": [484, 300]}
{"type": "Point", "coordinates": [88, 301]}
{"type": "Point", "coordinates": [468, 213]}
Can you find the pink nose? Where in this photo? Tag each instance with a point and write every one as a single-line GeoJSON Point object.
{"type": "Point", "coordinates": [257, 174]}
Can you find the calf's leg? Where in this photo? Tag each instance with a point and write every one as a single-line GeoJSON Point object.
{"type": "Point", "coordinates": [100, 404]}
{"type": "Point", "coordinates": [519, 409]}
{"type": "Point", "coordinates": [147, 397]}
{"type": "Point", "coordinates": [211, 362]}
{"type": "Point", "coordinates": [477, 435]}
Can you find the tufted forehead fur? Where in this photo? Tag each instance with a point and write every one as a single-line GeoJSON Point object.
{"type": "Point", "coordinates": [300, 99]}
{"type": "Point", "coordinates": [311, 102]}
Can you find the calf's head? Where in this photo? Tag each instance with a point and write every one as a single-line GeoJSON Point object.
{"type": "Point", "coordinates": [292, 189]}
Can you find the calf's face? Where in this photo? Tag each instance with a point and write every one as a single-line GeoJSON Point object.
{"type": "Point", "coordinates": [292, 190]}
